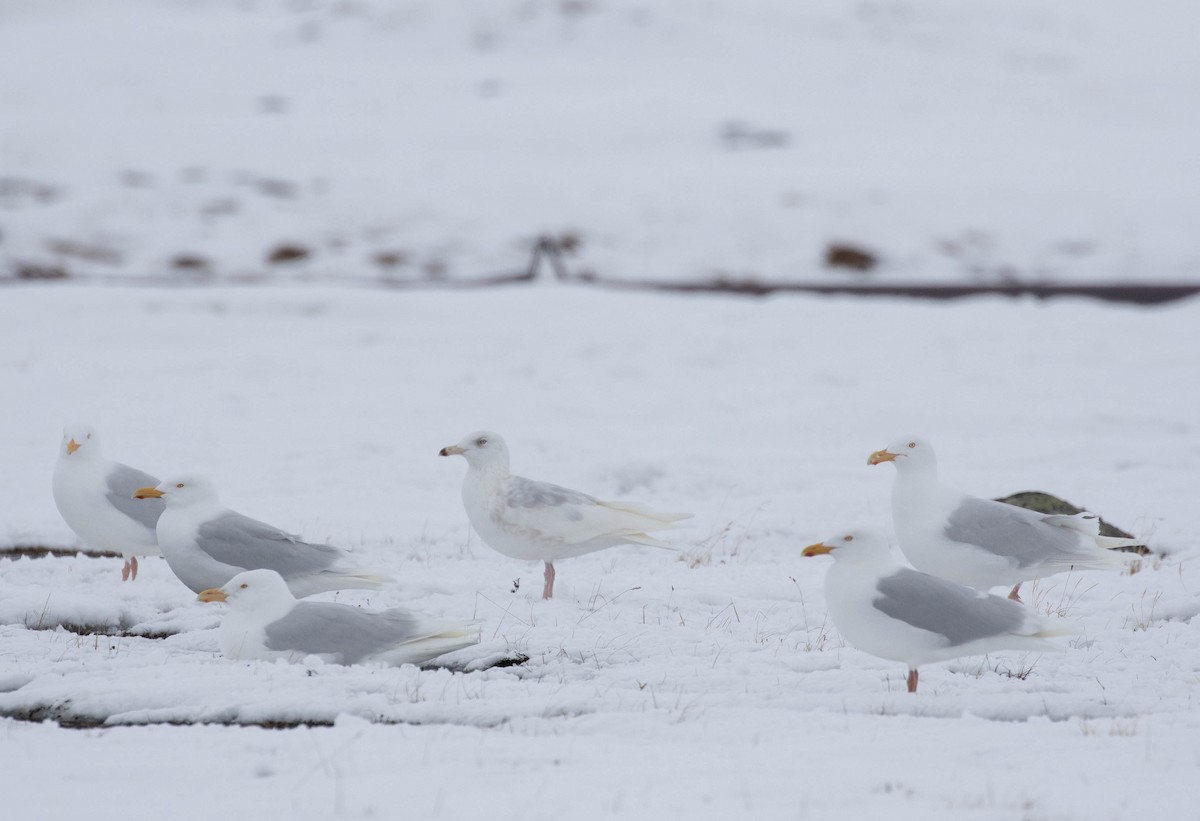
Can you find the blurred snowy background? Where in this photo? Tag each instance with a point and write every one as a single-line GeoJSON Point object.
{"type": "Point", "coordinates": [369, 142]}
{"type": "Point", "coordinates": [741, 139]}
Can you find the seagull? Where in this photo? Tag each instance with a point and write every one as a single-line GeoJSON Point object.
{"type": "Point", "coordinates": [93, 496]}
{"type": "Point", "coordinates": [539, 521]}
{"type": "Point", "coordinates": [206, 544]}
{"type": "Point", "coordinates": [265, 621]}
{"type": "Point", "coordinates": [901, 614]}
{"type": "Point", "coordinates": [983, 543]}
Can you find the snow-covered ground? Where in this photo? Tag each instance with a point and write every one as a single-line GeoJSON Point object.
{"type": "Point", "coordinates": [366, 139]}
{"type": "Point", "coordinates": [695, 684]}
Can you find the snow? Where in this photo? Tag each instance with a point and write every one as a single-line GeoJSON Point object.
{"type": "Point", "coordinates": [988, 141]}
{"type": "Point", "coordinates": [374, 142]}
{"type": "Point", "coordinates": [703, 682]}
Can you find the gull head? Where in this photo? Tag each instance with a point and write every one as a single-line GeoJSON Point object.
{"type": "Point", "coordinates": [253, 589]}
{"type": "Point", "coordinates": [79, 441]}
{"type": "Point", "coordinates": [180, 491]}
{"type": "Point", "coordinates": [908, 453]}
{"type": "Point", "coordinates": [481, 449]}
{"type": "Point", "coordinates": [854, 545]}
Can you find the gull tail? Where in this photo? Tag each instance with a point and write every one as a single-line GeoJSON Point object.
{"type": "Point", "coordinates": [328, 580]}
{"type": "Point", "coordinates": [1089, 525]}
{"type": "Point", "coordinates": [1114, 542]}
{"type": "Point", "coordinates": [646, 539]}
{"type": "Point", "coordinates": [363, 579]}
{"type": "Point", "coordinates": [1052, 631]}
{"type": "Point", "coordinates": [661, 521]}
{"type": "Point", "coordinates": [441, 638]}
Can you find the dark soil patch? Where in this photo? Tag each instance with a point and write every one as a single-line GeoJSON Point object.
{"type": "Point", "coordinates": [70, 721]}
{"type": "Point", "coordinates": [37, 551]}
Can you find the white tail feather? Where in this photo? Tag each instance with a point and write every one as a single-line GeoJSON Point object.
{"type": "Point", "coordinates": [1112, 542]}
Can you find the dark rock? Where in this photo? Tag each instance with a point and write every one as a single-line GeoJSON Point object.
{"type": "Point", "coordinates": [33, 270]}
{"type": "Point", "coordinates": [390, 259]}
{"type": "Point", "coordinates": [288, 253]}
{"type": "Point", "coordinates": [189, 262]}
{"type": "Point", "coordinates": [844, 255]}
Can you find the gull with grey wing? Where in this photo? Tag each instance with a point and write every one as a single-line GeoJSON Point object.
{"type": "Point", "coordinates": [265, 621]}
{"type": "Point", "coordinates": [897, 613]}
{"type": "Point", "coordinates": [983, 543]}
{"type": "Point", "coordinates": [206, 544]}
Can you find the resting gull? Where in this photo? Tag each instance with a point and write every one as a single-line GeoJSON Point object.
{"type": "Point", "coordinates": [206, 544]}
{"type": "Point", "coordinates": [265, 621]}
{"type": "Point", "coordinates": [539, 521]}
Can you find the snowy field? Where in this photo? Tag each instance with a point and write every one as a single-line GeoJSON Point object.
{"type": "Point", "coordinates": [700, 683]}
{"type": "Point", "coordinates": [371, 139]}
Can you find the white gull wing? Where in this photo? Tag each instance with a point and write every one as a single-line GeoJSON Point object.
{"type": "Point", "coordinates": [574, 521]}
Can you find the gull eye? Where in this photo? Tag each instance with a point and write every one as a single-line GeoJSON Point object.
{"type": "Point", "coordinates": [912, 444]}
{"type": "Point", "coordinates": [179, 485]}
{"type": "Point", "coordinates": [847, 538]}
{"type": "Point", "coordinates": [480, 442]}
{"type": "Point", "coordinates": [244, 585]}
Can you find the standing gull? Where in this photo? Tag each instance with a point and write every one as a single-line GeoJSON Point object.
{"type": "Point", "coordinates": [901, 614]}
{"type": "Point", "coordinates": [266, 622]}
{"type": "Point", "coordinates": [539, 521]}
{"type": "Point", "coordinates": [94, 497]}
{"type": "Point", "coordinates": [979, 542]}
{"type": "Point", "coordinates": [206, 544]}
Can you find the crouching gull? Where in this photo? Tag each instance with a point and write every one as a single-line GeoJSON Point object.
{"type": "Point", "coordinates": [983, 543]}
{"type": "Point", "coordinates": [265, 621]}
{"type": "Point", "coordinates": [206, 544]}
{"type": "Point", "coordinates": [901, 614]}
{"type": "Point", "coordinates": [539, 521]}
{"type": "Point", "coordinates": [94, 497]}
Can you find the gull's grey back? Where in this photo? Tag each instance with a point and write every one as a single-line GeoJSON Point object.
{"type": "Point", "coordinates": [1011, 532]}
{"type": "Point", "coordinates": [240, 541]}
{"type": "Point", "coordinates": [122, 482]}
{"type": "Point", "coordinates": [947, 609]}
{"type": "Point", "coordinates": [524, 492]}
{"type": "Point", "coordinates": [327, 628]}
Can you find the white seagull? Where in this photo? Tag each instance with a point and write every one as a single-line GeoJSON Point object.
{"type": "Point", "coordinates": [897, 613]}
{"type": "Point", "coordinates": [94, 497]}
{"type": "Point", "coordinates": [980, 542]}
{"type": "Point", "coordinates": [206, 544]}
{"type": "Point", "coordinates": [539, 521]}
{"type": "Point", "coordinates": [265, 621]}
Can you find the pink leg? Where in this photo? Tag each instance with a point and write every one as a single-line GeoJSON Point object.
{"type": "Point", "coordinates": [548, 590]}
{"type": "Point", "coordinates": [912, 680]}
{"type": "Point", "coordinates": [125, 571]}
{"type": "Point", "coordinates": [1015, 595]}
{"type": "Point", "coordinates": [133, 568]}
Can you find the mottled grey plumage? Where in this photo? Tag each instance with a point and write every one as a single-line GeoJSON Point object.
{"type": "Point", "coordinates": [524, 492]}
{"type": "Point", "coordinates": [122, 481]}
{"type": "Point", "coordinates": [352, 635]}
{"type": "Point", "coordinates": [945, 608]}
{"type": "Point", "coordinates": [1008, 531]}
{"type": "Point", "coordinates": [240, 541]}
